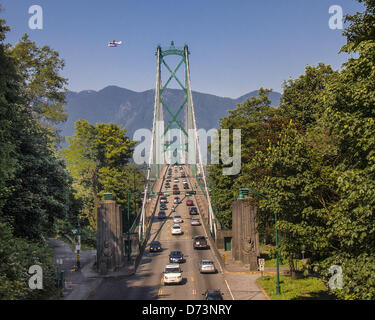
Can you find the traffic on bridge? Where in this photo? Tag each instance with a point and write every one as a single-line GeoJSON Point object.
{"type": "Point", "coordinates": [176, 265]}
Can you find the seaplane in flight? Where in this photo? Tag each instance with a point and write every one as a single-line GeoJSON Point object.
{"type": "Point", "coordinates": [114, 43]}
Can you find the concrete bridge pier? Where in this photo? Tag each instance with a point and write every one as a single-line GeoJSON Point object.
{"type": "Point", "coordinates": [110, 246]}
{"type": "Point", "coordinates": [245, 238]}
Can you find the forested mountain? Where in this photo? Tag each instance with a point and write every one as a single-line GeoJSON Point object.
{"type": "Point", "coordinates": [134, 110]}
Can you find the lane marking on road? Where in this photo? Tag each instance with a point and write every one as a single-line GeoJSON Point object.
{"type": "Point", "coordinates": [160, 292]}
{"type": "Point", "coordinates": [192, 279]}
{"type": "Point", "coordinates": [194, 292]}
{"type": "Point", "coordinates": [230, 291]}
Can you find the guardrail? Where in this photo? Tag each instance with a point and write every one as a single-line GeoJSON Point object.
{"type": "Point", "coordinates": [142, 245]}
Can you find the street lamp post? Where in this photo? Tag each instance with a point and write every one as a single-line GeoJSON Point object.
{"type": "Point", "coordinates": [128, 225]}
{"type": "Point", "coordinates": [277, 258]}
{"type": "Point", "coordinates": [78, 246]}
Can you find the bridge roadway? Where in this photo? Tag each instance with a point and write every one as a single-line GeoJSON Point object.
{"type": "Point", "coordinates": [147, 283]}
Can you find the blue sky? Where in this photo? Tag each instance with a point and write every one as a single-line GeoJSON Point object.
{"type": "Point", "coordinates": [236, 46]}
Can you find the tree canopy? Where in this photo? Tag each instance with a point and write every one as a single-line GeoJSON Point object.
{"type": "Point", "coordinates": [98, 157]}
{"type": "Point", "coordinates": [313, 159]}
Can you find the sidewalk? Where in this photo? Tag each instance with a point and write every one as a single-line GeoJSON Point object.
{"type": "Point", "coordinates": [242, 281]}
{"type": "Point", "coordinates": [80, 284]}
{"type": "Point", "coordinates": [77, 285]}
{"type": "Point", "coordinates": [232, 266]}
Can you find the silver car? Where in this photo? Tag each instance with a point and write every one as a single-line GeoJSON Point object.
{"type": "Point", "coordinates": [195, 222]}
{"type": "Point", "coordinates": [207, 266]}
{"type": "Point", "coordinates": [177, 219]}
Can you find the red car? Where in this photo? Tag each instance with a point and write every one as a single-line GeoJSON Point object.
{"type": "Point", "coordinates": [189, 203]}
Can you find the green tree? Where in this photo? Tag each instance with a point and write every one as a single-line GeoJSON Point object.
{"type": "Point", "coordinates": [96, 157]}
{"type": "Point", "coordinates": [9, 96]}
{"type": "Point", "coordinates": [35, 188]}
{"type": "Point", "coordinates": [249, 117]}
{"type": "Point", "coordinates": [42, 86]}
{"type": "Point", "coordinates": [16, 257]}
{"type": "Point", "coordinates": [33, 182]}
{"type": "Point", "coordinates": [40, 186]}
{"type": "Point", "coordinates": [302, 97]}
{"type": "Point", "coordinates": [297, 184]}
{"type": "Point", "coordinates": [350, 106]}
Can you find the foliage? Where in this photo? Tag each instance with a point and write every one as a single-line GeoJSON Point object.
{"type": "Point", "coordinates": [16, 256]}
{"type": "Point", "coordinates": [301, 99]}
{"type": "Point", "coordinates": [35, 188]}
{"type": "Point", "coordinates": [249, 117]}
{"type": "Point", "coordinates": [41, 85]}
{"type": "Point", "coordinates": [40, 186]}
{"type": "Point", "coordinates": [314, 162]}
{"type": "Point", "coordinates": [8, 98]}
{"type": "Point", "coordinates": [97, 158]}
{"type": "Point", "coordinates": [302, 289]}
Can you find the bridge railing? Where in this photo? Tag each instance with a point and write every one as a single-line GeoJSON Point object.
{"type": "Point", "coordinates": [212, 195]}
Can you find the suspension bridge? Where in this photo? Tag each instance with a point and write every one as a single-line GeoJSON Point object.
{"type": "Point", "coordinates": [184, 151]}
{"type": "Point", "coordinates": [174, 157]}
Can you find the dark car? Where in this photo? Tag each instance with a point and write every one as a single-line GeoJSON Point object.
{"type": "Point", "coordinates": [161, 215]}
{"type": "Point", "coordinates": [200, 242]}
{"type": "Point", "coordinates": [155, 246]}
{"type": "Point", "coordinates": [176, 189]}
{"type": "Point", "coordinates": [186, 186]}
{"type": "Point", "coordinates": [213, 295]}
{"type": "Point", "coordinates": [176, 256]}
{"type": "Point", "coordinates": [193, 211]}
{"type": "Point", "coordinates": [163, 206]}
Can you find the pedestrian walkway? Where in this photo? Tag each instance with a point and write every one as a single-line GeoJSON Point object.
{"type": "Point", "coordinates": [233, 266]}
{"type": "Point", "coordinates": [243, 282]}
{"type": "Point", "coordinates": [79, 284]}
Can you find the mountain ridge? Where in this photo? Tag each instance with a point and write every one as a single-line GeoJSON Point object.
{"type": "Point", "coordinates": [134, 110]}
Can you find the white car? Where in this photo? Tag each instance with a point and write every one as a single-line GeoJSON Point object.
{"type": "Point", "coordinates": [176, 229]}
{"type": "Point", "coordinates": [207, 266]}
{"type": "Point", "coordinates": [177, 219]}
{"type": "Point", "coordinates": [177, 200]}
{"type": "Point", "coordinates": [163, 199]}
{"type": "Point", "coordinates": [172, 274]}
{"type": "Point", "coordinates": [175, 180]}
{"type": "Point", "coordinates": [195, 222]}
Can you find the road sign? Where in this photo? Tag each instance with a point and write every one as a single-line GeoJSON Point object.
{"type": "Point", "coordinates": [261, 264]}
{"type": "Point", "coordinates": [78, 247]}
{"type": "Point", "coordinates": [74, 231]}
